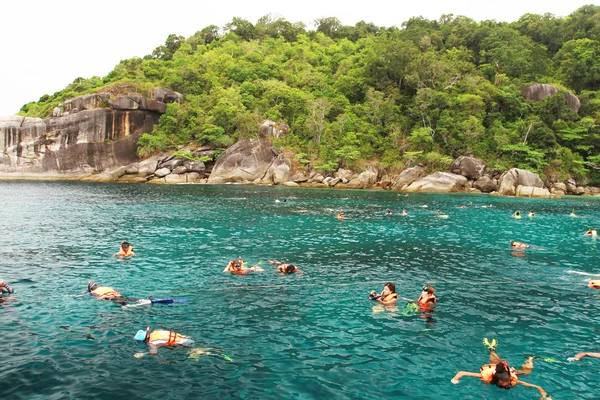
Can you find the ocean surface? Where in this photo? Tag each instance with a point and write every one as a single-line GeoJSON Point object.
{"type": "Point", "coordinates": [313, 335]}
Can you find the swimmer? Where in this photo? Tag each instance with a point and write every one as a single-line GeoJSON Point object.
{"type": "Point", "coordinates": [591, 232]}
{"type": "Point", "coordinates": [579, 356]}
{"type": "Point", "coordinates": [531, 214]}
{"type": "Point", "coordinates": [237, 267]}
{"type": "Point", "coordinates": [340, 216]}
{"type": "Point", "coordinates": [427, 298]}
{"type": "Point", "coordinates": [126, 250]}
{"type": "Point", "coordinates": [442, 216]}
{"type": "Point", "coordinates": [388, 296]}
{"type": "Point", "coordinates": [519, 245]}
{"type": "Point", "coordinates": [499, 373]}
{"type": "Point", "coordinates": [284, 268]}
{"type": "Point", "coordinates": [517, 215]}
{"type": "Point", "coordinates": [161, 338]}
{"type": "Point", "coordinates": [424, 206]}
{"type": "Point", "coordinates": [103, 292]}
{"type": "Point", "coordinates": [463, 206]}
{"type": "Point", "coordinates": [5, 288]}
{"type": "Point", "coordinates": [572, 214]}
{"type": "Point", "coordinates": [389, 212]}
{"type": "Point", "coordinates": [404, 214]}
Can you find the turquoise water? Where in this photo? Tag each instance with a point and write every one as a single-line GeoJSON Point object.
{"type": "Point", "coordinates": [310, 335]}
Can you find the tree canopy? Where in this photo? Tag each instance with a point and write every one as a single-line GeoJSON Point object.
{"type": "Point", "coordinates": [360, 95]}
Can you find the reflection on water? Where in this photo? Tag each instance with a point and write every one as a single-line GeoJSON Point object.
{"type": "Point", "coordinates": [310, 335]}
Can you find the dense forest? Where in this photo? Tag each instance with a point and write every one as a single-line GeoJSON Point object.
{"type": "Point", "coordinates": [425, 92]}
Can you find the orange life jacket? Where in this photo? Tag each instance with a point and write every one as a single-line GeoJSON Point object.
{"type": "Point", "coordinates": [390, 297]}
{"type": "Point", "coordinates": [105, 291]}
{"type": "Point", "coordinates": [127, 253]}
{"type": "Point", "coordinates": [427, 299]}
{"type": "Point", "coordinates": [488, 370]}
{"type": "Point", "coordinates": [171, 338]}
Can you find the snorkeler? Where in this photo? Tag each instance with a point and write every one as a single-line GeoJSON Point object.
{"type": "Point", "coordinates": [161, 338]}
{"type": "Point", "coordinates": [126, 250]}
{"type": "Point", "coordinates": [572, 214]}
{"type": "Point", "coordinates": [519, 245]}
{"type": "Point", "coordinates": [499, 373]}
{"type": "Point", "coordinates": [103, 292]}
{"type": "Point", "coordinates": [237, 267]}
{"type": "Point", "coordinates": [531, 214]}
{"type": "Point", "coordinates": [591, 232]}
{"type": "Point", "coordinates": [579, 356]}
{"type": "Point", "coordinates": [517, 215]}
{"type": "Point", "coordinates": [427, 297]}
{"type": "Point", "coordinates": [340, 216]}
{"type": "Point", "coordinates": [404, 214]}
{"type": "Point", "coordinates": [5, 288]}
{"type": "Point", "coordinates": [388, 296]}
{"type": "Point", "coordinates": [284, 268]}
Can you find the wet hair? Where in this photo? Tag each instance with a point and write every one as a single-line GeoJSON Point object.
{"type": "Point", "coordinates": [429, 289]}
{"type": "Point", "coordinates": [125, 244]}
{"type": "Point", "coordinates": [289, 268]}
{"type": "Point", "coordinates": [391, 286]}
{"type": "Point", "coordinates": [501, 376]}
{"type": "Point", "coordinates": [237, 264]}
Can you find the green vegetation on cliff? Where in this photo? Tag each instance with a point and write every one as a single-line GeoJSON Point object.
{"type": "Point", "coordinates": [352, 95]}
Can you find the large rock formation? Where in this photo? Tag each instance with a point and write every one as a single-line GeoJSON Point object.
{"type": "Point", "coordinates": [538, 91]}
{"type": "Point", "coordinates": [408, 176]}
{"type": "Point", "coordinates": [469, 167]}
{"type": "Point", "coordinates": [510, 180]}
{"type": "Point", "coordinates": [365, 179]}
{"type": "Point", "coordinates": [271, 128]}
{"type": "Point", "coordinates": [250, 160]}
{"type": "Point", "coordinates": [83, 141]}
{"type": "Point", "coordinates": [439, 182]}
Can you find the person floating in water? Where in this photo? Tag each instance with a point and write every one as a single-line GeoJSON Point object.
{"type": "Point", "coordinates": [160, 338]}
{"type": "Point", "coordinates": [519, 245]}
{"type": "Point", "coordinates": [126, 250]}
{"type": "Point", "coordinates": [591, 232]}
{"type": "Point", "coordinates": [237, 267]}
{"type": "Point", "coordinates": [531, 214]}
{"type": "Point", "coordinates": [103, 292]}
{"type": "Point", "coordinates": [517, 215]}
{"type": "Point", "coordinates": [404, 214]}
{"type": "Point", "coordinates": [572, 214]}
{"type": "Point", "coordinates": [427, 298]}
{"type": "Point", "coordinates": [499, 373]}
{"type": "Point", "coordinates": [389, 212]}
{"type": "Point", "coordinates": [108, 293]}
{"type": "Point", "coordinates": [579, 356]}
{"type": "Point", "coordinates": [284, 268]}
{"type": "Point", "coordinates": [388, 295]}
{"type": "Point", "coordinates": [340, 216]}
{"type": "Point", "coordinates": [5, 288]}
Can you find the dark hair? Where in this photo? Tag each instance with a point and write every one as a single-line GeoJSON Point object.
{"type": "Point", "coordinates": [391, 286]}
{"type": "Point", "coordinates": [237, 264]}
{"type": "Point", "coordinates": [501, 377]}
{"type": "Point", "coordinates": [125, 244]}
{"type": "Point", "coordinates": [429, 289]}
{"type": "Point", "coordinates": [289, 268]}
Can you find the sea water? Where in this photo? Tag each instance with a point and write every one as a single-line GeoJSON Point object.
{"type": "Point", "coordinates": [301, 336]}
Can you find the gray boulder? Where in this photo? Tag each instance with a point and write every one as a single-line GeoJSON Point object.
{"type": "Point", "coordinates": [344, 174]}
{"type": "Point", "coordinates": [508, 182]}
{"type": "Point", "coordinates": [530, 191]}
{"type": "Point", "coordinates": [439, 182]}
{"type": "Point", "coordinates": [271, 128]}
{"type": "Point", "coordinates": [162, 172]}
{"type": "Point", "coordinates": [148, 166]}
{"type": "Point", "coordinates": [166, 95]}
{"type": "Point", "coordinates": [365, 179]}
{"type": "Point", "coordinates": [486, 184]}
{"type": "Point", "coordinates": [538, 91]}
{"type": "Point", "coordinates": [407, 177]}
{"type": "Point", "coordinates": [194, 166]}
{"type": "Point", "coordinates": [469, 167]}
{"type": "Point", "coordinates": [123, 103]}
{"type": "Point", "coordinates": [279, 171]}
{"type": "Point", "coordinates": [180, 170]}
{"type": "Point", "coordinates": [560, 186]}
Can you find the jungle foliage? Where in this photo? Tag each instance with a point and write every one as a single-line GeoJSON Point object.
{"type": "Point", "coordinates": [425, 92]}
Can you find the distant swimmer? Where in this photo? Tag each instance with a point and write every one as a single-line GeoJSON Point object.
{"type": "Point", "coordinates": [427, 298]}
{"type": "Point", "coordinates": [5, 288]}
{"type": "Point", "coordinates": [103, 292]}
{"type": "Point", "coordinates": [517, 215]}
{"type": "Point", "coordinates": [237, 267]}
{"type": "Point", "coordinates": [443, 216]}
{"type": "Point", "coordinates": [389, 212]}
{"type": "Point", "coordinates": [284, 268]}
{"type": "Point", "coordinates": [499, 373]}
{"type": "Point", "coordinates": [160, 338]}
{"type": "Point", "coordinates": [531, 214]}
{"type": "Point", "coordinates": [424, 206]}
{"type": "Point", "coordinates": [463, 206]}
{"type": "Point", "coordinates": [519, 245]}
{"type": "Point", "coordinates": [404, 214]}
{"type": "Point", "coordinates": [340, 216]}
{"type": "Point", "coordinates": [594, 284]}
{"type": "Point", "coordinates": [591, 232]}
{"type": "Point", "coordinates": [126, 250]}
{"type": "Point", "coordinates": [388, 295]}
{"type": "Point", "coordinates": [572, 214]}
{"type": "Point", "coordinates": [579, 356]}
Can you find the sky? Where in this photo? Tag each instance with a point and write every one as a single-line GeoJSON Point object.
{"type": "Point", "coordinates": [45, 45]}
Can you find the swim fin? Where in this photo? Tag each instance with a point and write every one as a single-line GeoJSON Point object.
{"type": "Point", "coordinates": [490, 344]}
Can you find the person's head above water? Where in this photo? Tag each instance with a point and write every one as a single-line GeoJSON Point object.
{"type": "Point", "coordinates": [428, 290]}
{"type": "Point", "coordinates": [389, 288]}
{"type": "Point", "coordinates": [502, 377]}
{"type": "Point", "coordinates": [237, 264]}
{"type": "Point", "coordinates": [290, 268]}
{"type": "Point", "coordinates": [5, 288]}
{"type": "Point", "coordinates": [142, 335]}
{"type": "Point", "coordinates": [125, 244]}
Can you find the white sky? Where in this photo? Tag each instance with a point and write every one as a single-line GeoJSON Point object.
{"type": "Point", "coordinates": [45, 45]}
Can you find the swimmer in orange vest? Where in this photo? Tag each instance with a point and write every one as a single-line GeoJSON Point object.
{"type": "Point", "coordinates": [340, 216]}
{"type": "Point", "coordinates": [427, 298]}
{"type": "Point", "coordinates": [160, 338]}
{"type": "Point", "coordinates": [284, 268]}
{"type": "Point", "coordinates": [518, 245]}
{"type": "Point", "coordinates": [388, 295]}
{"type": "Point", "coordinates": [5, 288]}
{"type": "Point", "coordinates": [499, 373]}
{"type": "Point", "coordinates": [591, 232]}
{"type": "Point", "coordinates": [103, 292]}
{"type": "Point", "coordinates": [126, 250]}
{"type": "Point", "coordinates": [237, 267]}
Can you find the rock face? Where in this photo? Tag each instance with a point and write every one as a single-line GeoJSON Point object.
{"type": "Point", "coordinates": [250, 160]}
{"type": "Point", "coordinates": [469, 167]}
{"type": "Point", "coordinates": [486, 184]}
{"type": "Point", "coordinates": [408, 176]}
{"type": "Point", "coordinates": [538, 91]}
{"type": "Point", "coordinates": [271, 128]}
{"type": "Point", "coordinates": [364, 179]}
{"type": "Point", "coordinates": [439, 182]}
{"type": "Point", "coordinates": [530, 191]}
{"type": "Point", "coordinates": [508, 182]}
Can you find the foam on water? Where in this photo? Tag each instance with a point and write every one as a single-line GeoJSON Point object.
{"type": "Point", "coordinates": [310, 335]}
